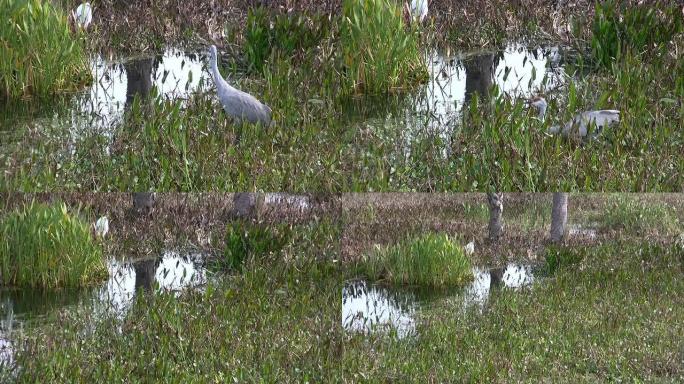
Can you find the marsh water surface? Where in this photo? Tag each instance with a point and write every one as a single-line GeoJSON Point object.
{"type": "Point", "coordinates": [172, 272]}
{"type": "Point", "coordinates": [368, 307]}
{"type": "Point", "coordinates": [430, 112]}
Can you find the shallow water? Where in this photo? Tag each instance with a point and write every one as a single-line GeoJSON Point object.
{"type": "Point", "coordinates": [368, 307]}
{"type": "Point", "coordinates": [172, 272]}
{"type": "Point", "coordinates": [434, 110]}
{"type": "Point", "coordinates": [173, 74]}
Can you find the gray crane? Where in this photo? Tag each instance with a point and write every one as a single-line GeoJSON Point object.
{"type": "Point", "coordinates": [579, 125]}
{"type": "Point", "coordinates": [240, 106]}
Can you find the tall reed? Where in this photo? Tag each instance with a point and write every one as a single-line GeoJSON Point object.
{"type": "Point", "coordinates": [285, 34]}
{"type": "Point", "coordinates": [432, 259]}
{"type": "Point", "coordinates": [618, 28]}
{"type": "Point", "coordinates": [47, 247]}
{"type": "Point", "coordinates": [39, 55]}
{"type": "Point", "coordinates": [380, 53]}
{"type": "Point", "coordinates": [244, 240]}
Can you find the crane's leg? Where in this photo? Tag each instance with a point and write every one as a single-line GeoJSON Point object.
{"type": "Point", "coordinates": [237, 133]}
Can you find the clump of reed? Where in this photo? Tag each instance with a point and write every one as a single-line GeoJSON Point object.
{"type": "Point", "coordinates": [282, 34]}
{"type": "Point", "coordinates": [433, 260]}
{"type": "Point", "coordinates": [558, 257]}
{"type": "Point", "coordinates": [380, 53]}
{"type": "Point", "coordinates": [45, 246]}
{"type": "Point", "coordinates": [39, 55]}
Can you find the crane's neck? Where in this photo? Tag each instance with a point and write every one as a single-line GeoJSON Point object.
{"type": "Point", "coordinates": [542, 111]}
{"type": "Point", "coordinates": [218, 79]}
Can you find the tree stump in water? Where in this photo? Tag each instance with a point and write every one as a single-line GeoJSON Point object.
{"type": "Point", "coordinates": [495, 201]}
{"type": "Point", "coordinates": [143, 202]}
{"type": "Point", "coordinates": [247, 205]}
{"type": "Point", "coordinates": [559, 216]}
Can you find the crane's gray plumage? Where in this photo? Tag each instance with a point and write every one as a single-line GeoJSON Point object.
{"type": "Point", "coordinates": [579, 125]}
{"type": "Point", "coordinates": [237, 104]}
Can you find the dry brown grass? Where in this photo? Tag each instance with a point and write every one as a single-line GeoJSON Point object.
{"type": "Point", "coordinates": [178, 220]}
{"type": "Point", "coordinates": [367, 219]}
{"type": "Point", "coordinates": [371, 219]}
{"type": "Point", "coordinates": [132, 26]}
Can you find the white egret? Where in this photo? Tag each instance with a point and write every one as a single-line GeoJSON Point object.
{"type": "Point", "coordinates": [237, 104]}
{"type": "Point", "coordinates": [579, 125]}
{"type": "Point", "coordinates": [469, 248]}
{"type": "Point", "coordinates": [83, 15]}
{"type": "Point", "coordinates": [101, 226]}
{"type": "Point", "coordinates": [419, 9]}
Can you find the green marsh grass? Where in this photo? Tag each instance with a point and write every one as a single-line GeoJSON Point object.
{"type": "Point", "coordinates": [563, 256]}
{"type": "Point", "coordinates": [244, 239]}
{"type": "Point", "coordinates": [636, 28]}
{"type": "Point", "coordinates": [617, 319]}
{"type": "Point", "coordinates": [39, 55]}
{"type": "Point", "coordinates": [379, 53]}
{"type": "Point", "coordinates": [432, 260]}
{"type": "Point", "coordinates": [285, 35]}
{"type": "Point", "coordinates": [45, 246]}
{"type": "Point", "coordinates": [631, 214]}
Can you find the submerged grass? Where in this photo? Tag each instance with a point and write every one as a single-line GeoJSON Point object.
{"type": "Point", "coordinates": [45, 246]}
{"type": "Point", "coordinates": [433, 260]}
{"type": "Point", "coordinates": [618, 318]}
{"type": "Point", "coordinates": [39, 55]}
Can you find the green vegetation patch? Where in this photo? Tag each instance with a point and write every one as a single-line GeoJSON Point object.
{"type": "Point", "coordinates": [429, 260]}
{"type": "Point", "coordinates": [619, 319]}
{"type": "Point", "coordinates": [39, 55]}
{"type": "Point", "coordinates": [561, 256]}
{"type": "Point", "coordinates": [282, 33]}
{"type": "Point", "coordinates": [638, 28]}
{"type": "Point", "coordinates": [47, 247]}
{"type": "Point", "coordinates": [245, 239]}
{"type": "Point", "coordinates": [633, 215]}
{"type": "Point", "coordinates": [379, 53]}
